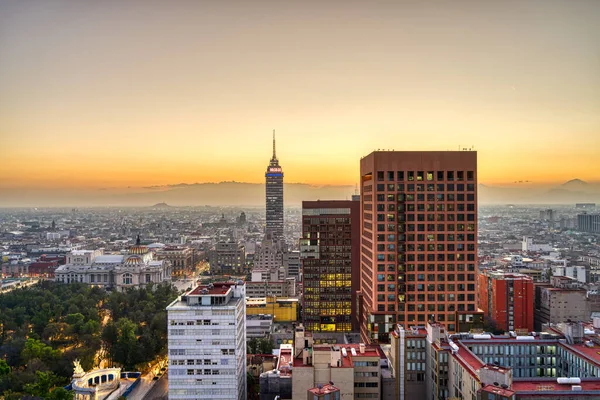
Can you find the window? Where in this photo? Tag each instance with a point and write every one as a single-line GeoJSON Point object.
{"type": "Point", "coordinates": [127, 279]}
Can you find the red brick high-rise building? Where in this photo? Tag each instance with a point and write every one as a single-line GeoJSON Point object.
{"type": "Point", "coordinates": [418, 239]}
{"type": "Point", "coordinates": [507, 299]}
{"type": "Point", "coordinates": [330, 251]}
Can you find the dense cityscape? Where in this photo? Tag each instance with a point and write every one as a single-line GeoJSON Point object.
{"type": "Point", "coordinates": [299, 200]}
{"type": "Point", "coordinates": [407, 290]}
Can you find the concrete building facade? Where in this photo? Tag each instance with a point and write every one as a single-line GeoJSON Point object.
{"type": "Point", "coordinates": [227, 258]}
{"type": "Point", "coordinates": [181, 258]}
{"type": "Point", "coordinates": [207, 343]}
{"type": "Point", "coordinates": [555, 305]}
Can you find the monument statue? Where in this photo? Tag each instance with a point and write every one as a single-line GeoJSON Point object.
{"type": "Point", "coordinates": [78, 370]}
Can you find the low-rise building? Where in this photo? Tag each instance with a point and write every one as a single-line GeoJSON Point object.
{"type": "Point", "coordinates": [181, 258]}
{"type": "Point", "coordinates": [285, 288]}
{"type": "Point", "coordinates": [561, 302]}
{"type": "Point", "coordinates": [282, 309]}
{"type": "Point", "coordinates": [227, 258]}
{"type": "Point", "coordinates": [259, 325]}
{"type": "Point", "coordinates": [354, 368]}
{"type": "Point", "coordinates": [514, 367]}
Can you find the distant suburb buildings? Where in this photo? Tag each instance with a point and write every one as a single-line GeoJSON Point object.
{"type": "Point", "coordinates": [329, 249]}
{"type": "Point", "coordinates": [589, 223]}
{"type": "Point", "coordinates": [419, 239]}
{"type": "Point", "coordinates": [136, 269]}
{"type": "Point", "coordinates": [274, 197]}
{"type": "Point", "coordinates": [207, 343]}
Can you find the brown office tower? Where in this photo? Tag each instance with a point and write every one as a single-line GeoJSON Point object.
{"type": "Point", "coordinates": [418, 239]}
{"type": "Point", "coordinates": [330, 250]}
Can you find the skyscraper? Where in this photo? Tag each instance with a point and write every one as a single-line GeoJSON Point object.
{"type": "Point", "coordinates": [274, 196]}
{"type": "Point", "coordinates": [330, 252]}
{"type": "Point", "coordinates": [418, 239]}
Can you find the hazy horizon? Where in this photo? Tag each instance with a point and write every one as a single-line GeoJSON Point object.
{"type": "Point", "coordinates": [252, 194]}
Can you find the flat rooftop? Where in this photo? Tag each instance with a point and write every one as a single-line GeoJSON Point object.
{"type": "Point", "coordinates": [537, 385]}
{"type": "Point", "coordinates": [499, 391]}
{"type": "Point", "coordinates": [348, 361]}
{"type": "Point", "coordinates": [219, 288]}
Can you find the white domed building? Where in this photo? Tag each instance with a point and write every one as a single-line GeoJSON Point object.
{"type": "Point", "coordinates": [135, 268]}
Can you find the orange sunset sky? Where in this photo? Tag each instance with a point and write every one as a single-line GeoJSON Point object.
{"type": "Point", "coordinates": [134, 93]}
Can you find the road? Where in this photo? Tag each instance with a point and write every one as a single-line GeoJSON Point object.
{"type": "Point", "coordinates": [160, 389]}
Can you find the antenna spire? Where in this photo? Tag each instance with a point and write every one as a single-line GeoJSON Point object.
{"type": "Point", "coordinates": [274, 154]}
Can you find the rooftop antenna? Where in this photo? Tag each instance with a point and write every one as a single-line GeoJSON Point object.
{"type": "Point", "coordinates": [356, 189]}
{"type": "Point", "coordinates": [274, 154]}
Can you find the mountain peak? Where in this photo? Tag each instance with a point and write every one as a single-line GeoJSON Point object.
{"type": "Point", "coordinates": [575, 182]}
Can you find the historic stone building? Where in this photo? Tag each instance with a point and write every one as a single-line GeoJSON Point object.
{"type": "Point", "coordinates": [136, 268]}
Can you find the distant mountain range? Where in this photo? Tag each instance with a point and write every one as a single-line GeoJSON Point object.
{"type": "Point", "coordinates": [157, 197]}
{"type": "Point", "coordinates": [573, 191]}
{"type": "Point", "coordinates": [253, 194]}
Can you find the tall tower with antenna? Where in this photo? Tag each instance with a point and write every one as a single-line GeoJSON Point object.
{"type": "Point", "coordinates": [274, 196]}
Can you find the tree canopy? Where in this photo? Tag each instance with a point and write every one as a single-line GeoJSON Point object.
{"type": "Point", "coordinates": [44, 327]}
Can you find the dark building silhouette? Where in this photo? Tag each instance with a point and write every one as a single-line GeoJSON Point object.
{"type": "Point", "coordinates": [274, 197]}
{"type": "Point", "coordinates": [330, 251]}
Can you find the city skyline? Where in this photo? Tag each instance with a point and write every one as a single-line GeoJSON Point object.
{"type": "Point", "coordinates": [161, 94]}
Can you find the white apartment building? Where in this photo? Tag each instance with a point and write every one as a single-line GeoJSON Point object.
{"type": "Point", "coordinates": [207, 343]}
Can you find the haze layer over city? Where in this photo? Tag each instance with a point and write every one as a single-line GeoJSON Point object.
{"type": "Point", "coordinates": [299, 200]}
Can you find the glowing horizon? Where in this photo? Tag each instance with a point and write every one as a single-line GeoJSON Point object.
{"type": "Point", "coordinates": [117, 95]}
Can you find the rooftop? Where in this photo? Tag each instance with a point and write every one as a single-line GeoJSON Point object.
{"type": "Point", "coordinates": [468, 359]}
{"type": "Point", "coordinates": [285, 361]}
{"type": "Point", "coordinates": [219, 288]}
{"type": "Point", "coordinates": [537, 385]}
{"type": "Point", "coordinates": [325, 389]}
{"type": "Point", "coordinates": [498, 390]}
{"type": "Point", "coordinates": [590, 353]}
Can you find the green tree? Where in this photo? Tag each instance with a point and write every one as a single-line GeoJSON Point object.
{"type": "Point", "coordinates": [252, 346]}
{"type": "Point", "coordinates": [37, 349]}
{"type": "Point", "coordinates": [4, 368]}
{"type": "Point", "coordinates": [265, 346]}
{"type": "Point", "coordinates": [60, 394]}
{"type": "Point", "coordinates": [42, 385]}
{"type": "Point", "coordinates": [126, 350]}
